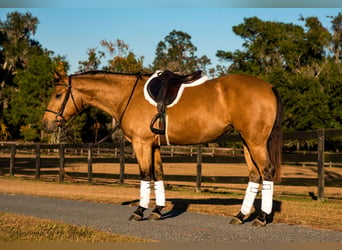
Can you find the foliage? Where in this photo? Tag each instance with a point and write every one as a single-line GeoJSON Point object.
{"type": "Point", "coordinates": [302, 62]}
{"type": "Point", "coordinates": [122, 59]}
{"type": "Point", "coordinates": [15, 46]}
{"type": "Point", "coordinates": [177, 53]}
{"type": "Point", "coordinates": [27, 71]}
{"type": "Point", "coordinates": [93, 62]}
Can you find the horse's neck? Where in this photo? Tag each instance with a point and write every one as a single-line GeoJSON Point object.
{"type": "Point", "coordinates": [107, 93]}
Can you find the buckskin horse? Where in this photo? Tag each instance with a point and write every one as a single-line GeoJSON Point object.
{"type": "Point", "coordinates": [247, 104]}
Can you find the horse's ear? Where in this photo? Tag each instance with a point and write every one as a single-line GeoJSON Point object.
{"type": "Point", "coordinates": [59, 72]}
{"type": "Point", "coordinates": [59, 76]}
{"type": "Point", "coordinates": [56, 75]}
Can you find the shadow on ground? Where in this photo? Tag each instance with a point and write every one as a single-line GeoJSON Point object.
{"type": "Point", "coordinates": [180, 206]}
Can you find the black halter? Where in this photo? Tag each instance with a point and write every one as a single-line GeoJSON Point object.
{"type": "Point", "coordinates": [59, 114]}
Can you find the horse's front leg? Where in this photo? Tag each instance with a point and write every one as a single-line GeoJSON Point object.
{"type": "Point", "coordinates": [150, 170]}
{"type": "Point", "coordinates": [158, 184]}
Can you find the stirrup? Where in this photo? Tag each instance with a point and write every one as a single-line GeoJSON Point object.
{"type": "Point", "coordinates": [161, 118]}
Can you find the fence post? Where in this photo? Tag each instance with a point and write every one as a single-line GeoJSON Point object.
{"type": "Point", "coordinates": [199, 168]}
{"type": "Point", "coordinates": [61, 162]}
{"type": "Point", "coordinates": [122, 161]}
{"type": "Point", "coordinates": [90, 164]}
{"type": "Point", "coordinates": [320, 160]}
{"type": "Point", "coordinates": [37, 174]}
{"type": "Point", "coordinates": [12, 161]}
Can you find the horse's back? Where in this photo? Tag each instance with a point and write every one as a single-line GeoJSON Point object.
{"type": "Point", "coordinates": [245, 83]}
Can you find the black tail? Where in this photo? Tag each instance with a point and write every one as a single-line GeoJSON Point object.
{"type": "Point", "coordinates": [275, 141]}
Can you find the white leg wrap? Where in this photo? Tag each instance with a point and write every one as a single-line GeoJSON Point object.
{"type": "Point", "coordinates": [267, 196]}
{"type": "Point", "coordinates": [160, 193]}
{"type": "Point", "coordinates": [248, 201]}
{"type": "Point", "coordinates": [145, 191]}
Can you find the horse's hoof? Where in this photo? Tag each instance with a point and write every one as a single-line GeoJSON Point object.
{"type": "Point", "coordinates": [138, 214]}
{"type": "Point", "coordinates": [236, 221]}
{"type": "Point", "coordinates": [135, 217]}
{"type": "Point", "coordinates": [154, 216]}
{"type": "Point", "coordinates": [156, 213]}
{"type": "Point", "coordinates": [259, 223]}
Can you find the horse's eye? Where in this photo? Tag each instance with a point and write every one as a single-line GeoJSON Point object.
{"type": "Point", "coordinates": [58, 96]}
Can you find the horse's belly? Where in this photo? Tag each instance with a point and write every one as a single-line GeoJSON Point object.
{"type": "Point", "coordinates": [195, 128]}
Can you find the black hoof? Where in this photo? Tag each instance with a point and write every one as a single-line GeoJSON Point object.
{"type": "Point", "coordinates": [154, 216]}
{"type": "Point", "coordinates": [156, 213]}
{"type": "Point", "coordinates": [138, 214]}
{"type": "Point", "coordinates": [135, 217]}
{"type": "Point", "coordinates": [260, 221]}
{"type": "Point", "coordinates": [237, 219]}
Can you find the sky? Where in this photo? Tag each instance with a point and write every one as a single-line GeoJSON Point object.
{"type": "Point", "coordinates": [70, 32]}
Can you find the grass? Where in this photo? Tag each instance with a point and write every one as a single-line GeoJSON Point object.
{"type": "Point", "coordinates": [19, 228]}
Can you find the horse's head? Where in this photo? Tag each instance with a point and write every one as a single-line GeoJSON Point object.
{"type": "Point", "coordinates": [63, 104]}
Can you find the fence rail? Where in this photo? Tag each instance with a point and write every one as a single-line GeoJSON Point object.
{"type": "Point", "coordinates": [18, 157]}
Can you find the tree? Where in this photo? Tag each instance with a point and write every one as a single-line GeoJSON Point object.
{"type": "Point", "coordinates": [93, 62]}
{"type": "Point", "coordinates": [177, 53]}
{"type": "Point", "coordinates": [337, 37]}
{"type": "Point", "coordinates": [16, 43]}
{"type": "Point", "coordinates": [267, 44]}
{"type": "Point", "coordinates": [28, 101]}
{"type": "Point", "coordinates": [16, 46]}
{"type": "Point", "coordinates": [296, 60]}
{"type": "Point", "coordinates": [123, 60]}
{"type": "Point", "coordinates": [26, 75]}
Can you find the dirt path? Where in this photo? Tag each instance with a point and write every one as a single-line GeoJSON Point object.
{"type": "Point", "coordinates": [176, 225]}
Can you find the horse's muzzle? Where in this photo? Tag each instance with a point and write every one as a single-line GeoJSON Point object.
{"type": "Point", "coordinates": [49, 126]}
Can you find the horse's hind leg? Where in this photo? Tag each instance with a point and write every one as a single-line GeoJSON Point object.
{"type": "Point", "coordinates": [251, 190]}
{"type": "Point", "coordinates": [259, 169]}
{"type": "Point", "coordinates": [260, 157]}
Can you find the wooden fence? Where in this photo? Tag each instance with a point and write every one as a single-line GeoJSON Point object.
{"type": "Point", "coordinates": [14, 156]}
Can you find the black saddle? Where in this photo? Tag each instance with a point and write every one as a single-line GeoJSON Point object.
{"type": "Point", "coordinates": [163, 90]}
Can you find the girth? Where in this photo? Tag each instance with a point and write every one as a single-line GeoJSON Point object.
{"type": "Point", "coordinates": [164, 89]}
